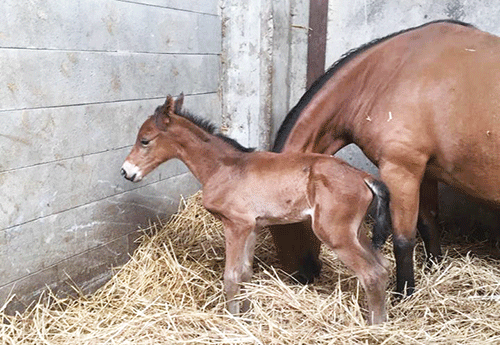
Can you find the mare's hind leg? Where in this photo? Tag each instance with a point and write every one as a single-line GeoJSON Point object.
{"type": "Point", "coordinates": [298, 250]}
{"type": "Point", "coordinates": [427, 224]}
{"type": "Point", "coordinates": [240, 245]}
{"type": "Point", "coordinates": [340, 230]}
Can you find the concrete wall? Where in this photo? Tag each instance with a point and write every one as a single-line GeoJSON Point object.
{"type": "Point", "coordinates": [77, 80]}
{"type": "Point", "coordinates": [263, 65]}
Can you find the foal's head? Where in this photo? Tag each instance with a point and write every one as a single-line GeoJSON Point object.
{"type": "Point", "coordinates": [151, 146]}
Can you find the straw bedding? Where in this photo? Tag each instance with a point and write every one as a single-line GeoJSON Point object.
{"type": "Point", "coordinates": [170, 292]}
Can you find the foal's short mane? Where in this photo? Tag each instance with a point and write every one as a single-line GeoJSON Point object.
{"type": "Point", "coordinates": [209, 127]}
{"type": "Point", "coordinates": [294, 114]}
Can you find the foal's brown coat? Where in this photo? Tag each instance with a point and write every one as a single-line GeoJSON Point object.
{"type": "Point", "coordinates": [250, 190]}
{"type": "Point", "coordinates": [423, 105]}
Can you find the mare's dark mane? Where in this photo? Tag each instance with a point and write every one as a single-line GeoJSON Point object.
{"type": "Point", "coordinates": [209, 127]}
{"type": "Point", "coordinates": [294, 114]}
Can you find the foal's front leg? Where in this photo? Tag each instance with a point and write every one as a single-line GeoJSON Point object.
{"type": "Point", "coordinates": [240, 245]}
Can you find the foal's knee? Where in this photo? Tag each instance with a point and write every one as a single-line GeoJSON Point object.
{"type": "Point", "coordinates": [376, 281]}
{"type": "Point", "coordinates": [382, 260]}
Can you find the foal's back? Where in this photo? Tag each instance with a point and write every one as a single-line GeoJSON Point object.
{"type": "Point", "coordinates": [283, 188]}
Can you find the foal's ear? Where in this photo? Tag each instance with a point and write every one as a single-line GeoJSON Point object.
{"type": "Point", "coordinates": [162, 114]}
{"type": "Point", "coordinates": [169, 106]}
{"type": "Point", "coordinates": [178, 103]}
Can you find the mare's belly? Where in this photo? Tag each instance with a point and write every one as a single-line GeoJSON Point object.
{"type": "Point", "coordinates": [479, 179]}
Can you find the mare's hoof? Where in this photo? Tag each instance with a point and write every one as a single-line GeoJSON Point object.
{"type": "Point", "coordinates": [399, 295]}
{"type": "Point", "coordinates": [309, 269]}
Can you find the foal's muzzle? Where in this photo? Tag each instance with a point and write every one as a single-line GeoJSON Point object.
{"type": "Point", "coordinates": [131, 172]}
{"type": "Point", "coordinates": [124, 174]}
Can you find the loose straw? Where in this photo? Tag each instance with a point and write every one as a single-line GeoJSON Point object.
{"type": "Point", "coordinates": [170, 292]}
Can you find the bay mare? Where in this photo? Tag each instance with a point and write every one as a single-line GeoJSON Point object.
{"type": "Point", "coordinates": [424, 106]}
{"type": "Point", "coordinates": [249, 190]}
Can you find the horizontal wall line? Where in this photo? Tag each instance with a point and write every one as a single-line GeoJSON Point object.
{"type": "Point", "coordinates": [104, 51]}
{"type": "Point", "coordinates": [118, 148]}
{"type": "Point", "coordinates": [93, 201]}
{"type": "Point", "coordinates": [64, 159]}
{"type": "Point", "coordinates": [66, 259]}
{"type": "Point", "coordinates": [101, 103]}
{"type": "Point", "coordinates": [167, 7]}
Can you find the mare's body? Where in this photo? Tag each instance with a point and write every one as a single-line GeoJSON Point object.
{"type": "Point", "coordinates": [424, 106]}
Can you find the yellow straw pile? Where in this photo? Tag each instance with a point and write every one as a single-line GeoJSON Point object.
{"type": "Point", "coordinates": [170, 292]}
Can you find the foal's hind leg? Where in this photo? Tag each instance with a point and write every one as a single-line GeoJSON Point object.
{"type": "Point", "coordinates": [342, 234]}
{"type": "Point", "coordinates": [368, 268]}
{"type": "Point", "coordinates": [240, 245]}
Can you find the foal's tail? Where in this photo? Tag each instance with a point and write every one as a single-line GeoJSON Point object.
{"type": "Point", "coordinates": [381, 212]}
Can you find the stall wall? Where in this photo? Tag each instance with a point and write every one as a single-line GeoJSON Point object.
{"type": "Point", "coordinates": [77, 79]}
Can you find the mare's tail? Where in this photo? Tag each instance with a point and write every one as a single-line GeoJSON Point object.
{"type": "Point", "coordinates": [381, 212]}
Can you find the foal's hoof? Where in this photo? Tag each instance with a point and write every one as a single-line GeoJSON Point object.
{"type": "Point", "coordinates": [238, 307]}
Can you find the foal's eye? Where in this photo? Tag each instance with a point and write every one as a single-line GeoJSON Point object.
{"type": "Point", "coordinates": [144, 142]}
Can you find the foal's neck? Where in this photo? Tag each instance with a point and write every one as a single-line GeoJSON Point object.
{"type": "Point", "coordinates": [205, 153]}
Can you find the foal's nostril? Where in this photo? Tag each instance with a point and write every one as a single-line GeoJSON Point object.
{"type": "Point", "coordinates": [132, 178]}
{"type": "Point", "coordinates": [123, 172]}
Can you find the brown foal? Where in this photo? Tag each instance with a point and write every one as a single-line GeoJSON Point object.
{"type": "Point", "coordinates": [249, 190]}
